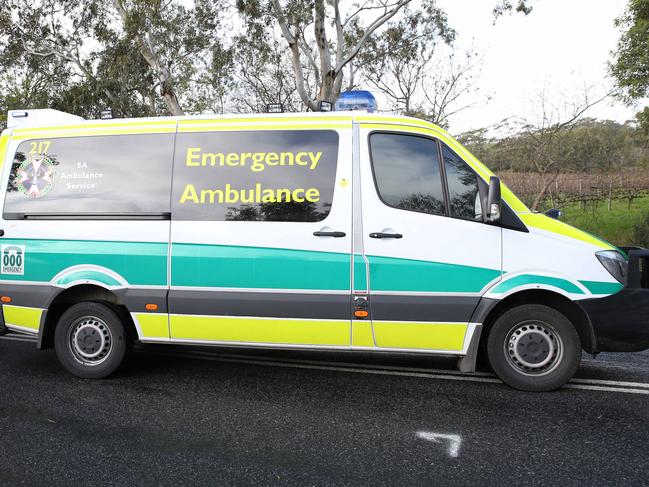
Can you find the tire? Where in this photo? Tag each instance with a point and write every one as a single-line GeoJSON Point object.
{"type": "Point", "coordinates": [534, 348]}
{"type": "Point", "coordinates": [90, 340]}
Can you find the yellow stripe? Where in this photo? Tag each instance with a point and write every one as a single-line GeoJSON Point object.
{"type": "Point", "coordinates": [217, 127]}
{"type": "Point", "coordinates": [431, 336]}
{"type": "Point", "coordinates": [99, 124]}
{"type": "Point", "coordinates": [271, 120]}
{"type": "Point", "coordinates": [260, 330]}
{"type": "Point", "coordinates": [153, 325]}
{"type": "Point", "coordinates": [362, 334]}
{"type": "Point", "coordinates": [24, 317]}
{"type": "Point", "coordinates": [4, 142]}
{"type": "Point", "coordinates": [55, 133]}
{"type": "Point", "coordinates": [542, 222]}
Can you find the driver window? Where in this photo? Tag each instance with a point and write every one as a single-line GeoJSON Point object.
{"type": "Point", "coordinates": [408, 173]}
{"type": "Point", "coordinates": [464, 196]}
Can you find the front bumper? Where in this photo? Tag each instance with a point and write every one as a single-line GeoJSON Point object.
{"type": "Point", "coordinates": [621, 321]}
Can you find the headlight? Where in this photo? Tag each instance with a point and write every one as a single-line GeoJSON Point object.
{"type": "Point", "coordinates": [614, 262]}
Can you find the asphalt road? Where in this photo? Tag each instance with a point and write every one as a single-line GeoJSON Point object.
{"type": "Point", "coordinates": [233, 417]}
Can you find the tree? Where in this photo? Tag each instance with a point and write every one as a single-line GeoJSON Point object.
{"type": "Point", "coordinates": [630, 66]}
{"type": "Point", "coordinates": [134, 54]}
{"type": "Point", "coordinates": [507, 6]}
{"type": "Point", "coordinates": [325, 56]}
{"type": "Point", "coordinates": [404, 60]}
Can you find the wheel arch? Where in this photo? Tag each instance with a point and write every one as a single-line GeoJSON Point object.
{"type": "Point", "coordinates": [489, 310]}
{"type": "Point", "coordinates": [77, 294]}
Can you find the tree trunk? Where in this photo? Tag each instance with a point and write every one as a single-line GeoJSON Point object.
{"type": "Point", "coordinates": [162, 73]}
{"type": "Point", "coordinates": [544, 188]}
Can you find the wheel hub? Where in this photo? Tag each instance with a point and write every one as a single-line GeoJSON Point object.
{"type": "Point", "coordinates": [533, 347]}
{"type": "Point", "coordinates": [90, 340]}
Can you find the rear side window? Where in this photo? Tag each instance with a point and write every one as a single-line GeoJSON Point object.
{"type": "Point", "coordinates": [463, 193]}
{"type": "Point", "coordinates": [407, 172]}
{"type": "Point", "coordinates": [278, 175]}
{"type": "Point", "coordinates": [117, 174]}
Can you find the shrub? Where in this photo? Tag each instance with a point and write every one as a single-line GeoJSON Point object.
{"type": "Point", "coordinates": [641, 232]}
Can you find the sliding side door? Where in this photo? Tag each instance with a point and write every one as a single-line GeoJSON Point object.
{"type": "Point", "coordinates": [261, 235]}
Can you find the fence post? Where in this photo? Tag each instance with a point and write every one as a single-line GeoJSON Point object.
{"type": "Point", "coordinates": [610, 193]}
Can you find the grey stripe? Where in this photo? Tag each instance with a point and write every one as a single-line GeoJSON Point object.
{"type": "Point", "coordinates": [423, 308]}
{"type": "Point", "coordinates": [42, 295]}
{"type": "Point", "coordinates": [274, 305]}
{"type": "Point", "coordinates": [136, 299]}
{"type": "Point", "coordinates": [483, 309]}
{"type": "Point", "coordinates": [34, 296]}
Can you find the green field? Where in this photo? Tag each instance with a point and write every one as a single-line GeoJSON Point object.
{"type": "Point", "coordinates": [616, 225]}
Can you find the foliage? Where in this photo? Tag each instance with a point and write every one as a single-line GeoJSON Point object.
{"type": "Point", "coordinates": [131, 55]}
{"type": "Point", "coordinates": [591, 145]}
{"type": "Point", "coordinates": [641, 232]}
{"type": "Point", "coordinates": [630, 66]}
{"type": "Point", "coordinates": [616, 226]}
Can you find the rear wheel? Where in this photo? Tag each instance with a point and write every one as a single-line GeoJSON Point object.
{"type": "Point", "coordinates": [534, 348]}
{"type": "Point", "coordinates": [90, 340]}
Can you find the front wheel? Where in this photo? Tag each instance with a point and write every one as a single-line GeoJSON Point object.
{"type": "Point", "coordinates": [90, 340]}
{"type": "Point", "coordinates": [534, 348]}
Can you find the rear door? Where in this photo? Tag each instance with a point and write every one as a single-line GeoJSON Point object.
{"type": "Point", "coordinates": [261, 235]}
{"type": "Point", "coordinates": [89, 206]}
{"type": "Point", "coordinates": [429, 254]}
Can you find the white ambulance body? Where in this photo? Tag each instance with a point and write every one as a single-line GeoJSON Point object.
{"type": "Point", "coordinates": [346, 231]}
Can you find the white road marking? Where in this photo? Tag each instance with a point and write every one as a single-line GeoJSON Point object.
{"type": "Point", "coordinates": [605, 386]}
{"type": "Point", "coordinates": [454, 441]}
{"type": "Point", "coordinates": [388, 370]}
{"type": "Point", "coordinates": [614, 383]}
{"type": "Point", "coordinates": [18, 338]}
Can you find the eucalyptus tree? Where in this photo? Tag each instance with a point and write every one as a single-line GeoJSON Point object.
{"type": "Point", "coordinates": [318, 37]}
{"type": "Point", "coordinates": [142, 56]}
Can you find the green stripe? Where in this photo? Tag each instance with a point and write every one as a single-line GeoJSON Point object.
{"type": "Point", "coordinates": [391, 274]}
{"type": "Point", "coordinates": [360, 273]}
{"type": "Point", "coordinates": [525, 279]}
{"type": "Point", "coordinates": [598, 287]}
{"type": "Point", "coordinates": [88, 275]}
{"type": "Point", "coordinates": [139, 263]}
{"type": "Point", "coordinates": [258, 267]}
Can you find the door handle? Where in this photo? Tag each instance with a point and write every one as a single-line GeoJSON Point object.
{"type": "Point", "coordinates": [329, 234]}
{"type": "Point", "coordinates": [385, 235]}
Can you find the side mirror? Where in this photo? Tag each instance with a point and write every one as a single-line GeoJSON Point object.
{"type": "Point", "coordinates": [493, 200]}
{"type": "Point", "coordinates": [554, 213]}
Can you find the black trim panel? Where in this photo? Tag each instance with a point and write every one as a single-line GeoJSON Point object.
{"type": "Point", "coordinates": [482, 310]}
{"type": "Point", "coordinates": [274, 305]}
{"type": "Point", "coordinates": [136, 299]}
{"type": "Point", "coordinates": [87, 216]}
{"type": "Point", "coordinates": [398, 307]}
{"type": "Point", "coordinates": [29, 295]}
{"type": "Point", "coordinates": [620, 321]}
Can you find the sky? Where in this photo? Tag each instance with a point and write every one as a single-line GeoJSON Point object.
{"type": "Point", "coordinates": [562, 46]}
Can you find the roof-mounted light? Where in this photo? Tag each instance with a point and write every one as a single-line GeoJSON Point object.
{"type": "Point", "coordinates": [356, 100]}
{"type": "Point", "coordinates": [274, 108]}
{"type": "Point", "coordinates": [325, 106]}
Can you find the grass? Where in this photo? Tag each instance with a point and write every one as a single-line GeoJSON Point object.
{"type": "Point", "coordinates": [615, 226]}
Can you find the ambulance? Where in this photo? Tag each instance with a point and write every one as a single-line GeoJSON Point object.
{"type": "Point", "coordinates": [347, 231]}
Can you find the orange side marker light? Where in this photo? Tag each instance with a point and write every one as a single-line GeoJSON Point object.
{"type": "Point", "coordinates": [151, 307]}
{"type": "Point", "coordinates": [5, 299]}
{"type": "Point", "coordinates": [361, 314]}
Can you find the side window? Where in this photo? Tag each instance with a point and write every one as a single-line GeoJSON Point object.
{"type": "Point", "coordinates": [407, 172]}
{"type": "Point", "coordinates": [99, 174]}
{"type": "Point", "coordinates": [463, 193]}
{"type": "Point", "coordinates": [278, 175]}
